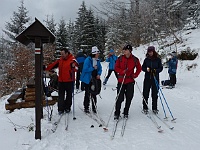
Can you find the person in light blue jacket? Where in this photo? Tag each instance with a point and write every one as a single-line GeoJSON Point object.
{"type": "Point", "coordinates": [112, 60]}
{"type": "Point", "coordinates": [92, 69]}
{"type": "Point", "coordinates": [173, 63]}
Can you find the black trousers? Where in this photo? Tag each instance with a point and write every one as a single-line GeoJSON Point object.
{"type": "Point", "coordinates": [109, 73]}
{"type": "Point", "coordinates": [127, 90]}
{"type": "Point", "coordinates": [65, 90]}
{"type": "Point", "coordinates": [172, 78]}
{"type": "Point", "coordinates": [88, 96]}
{"type": "Point", "coordinates": [78, 74]}
{"type": "Point", "coordinates": [147, 85]}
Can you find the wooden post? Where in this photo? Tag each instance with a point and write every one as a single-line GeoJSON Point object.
{"type": "Point", "coordinates": [38, 87]}
{"type": "Point", "coordinates": [38, 34]}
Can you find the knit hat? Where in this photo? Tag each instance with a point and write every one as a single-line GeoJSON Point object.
{"type": "Point", "coordinates": [150, 49]}
{"type": "Point", "coordinates": [129, 47]}
{"type": "Point", "coordinates": [111, 51]}
{"type": "Point", "coordinates": [95, 50]}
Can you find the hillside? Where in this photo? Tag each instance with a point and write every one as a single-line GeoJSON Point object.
{"type": "Point", "coordinates": [140, 133]}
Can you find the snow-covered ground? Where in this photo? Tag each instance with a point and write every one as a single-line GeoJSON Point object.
{"type": "Point", "coordinates": [140, 133]}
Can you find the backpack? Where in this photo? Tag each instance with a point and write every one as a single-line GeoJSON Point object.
{"type": "Point", "coordinates": [95, 86]}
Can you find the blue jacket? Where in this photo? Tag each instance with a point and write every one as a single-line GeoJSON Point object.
{"type": "Point", "coordinates": [86, 74]}
{"type": "Point", "coordinates": [112, 60]}
{"type": "Point", "coordinates": [172, 65]}
{"type": "Point", "coordinates": [80, 57]}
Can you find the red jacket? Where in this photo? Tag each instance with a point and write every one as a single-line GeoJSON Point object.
{"type": "Point", "coordinates": [127, 66]}
{"type": "Point", "coordinates": [66, 72]}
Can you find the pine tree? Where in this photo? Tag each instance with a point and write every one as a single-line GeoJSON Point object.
{"type": "Point", "coordinates": [79, 26]}
{"type": "Point", "coordinates": [18, 22]}
{"type": "Point", "coordinates": [71, 37]}
{"type": "Point", "coordinates": [62, 33]}
{"type": "Point", "coordinates": [50, 24]}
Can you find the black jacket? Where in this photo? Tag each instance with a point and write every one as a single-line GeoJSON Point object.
{"type": "Point", "coordinates": [155, 66]}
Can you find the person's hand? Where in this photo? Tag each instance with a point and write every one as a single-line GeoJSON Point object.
{"type": "Point", "coordinates": [95, 67]}
{"type": "Point", "coordinates": [148, 69]}
{"type": "Point", "coordinates": [98, 77]}
{"type": "Point", "coordinates": [73, 65]}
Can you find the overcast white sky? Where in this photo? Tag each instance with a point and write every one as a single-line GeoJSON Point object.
{"type": "Point", "coordinates": [41, 8]}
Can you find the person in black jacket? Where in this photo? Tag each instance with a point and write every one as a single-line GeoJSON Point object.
{"type": "Point", "coordinates": [152, 66]}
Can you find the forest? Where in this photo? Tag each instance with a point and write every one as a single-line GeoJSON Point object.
{"type": "Point", "coordinates": [135, 22]}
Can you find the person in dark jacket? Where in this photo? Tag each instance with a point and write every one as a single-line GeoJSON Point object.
{"type": "Point", "coordinates": [80, 57]}
{"type": "Point", "coordinates": [91, 69]}
{"type": "Point", "coordinates": [172, 64]}
{"type": "Point", "coordinates": [152, 66]}
{"type": "Point", "coordinates": [67, 66]}
{"type": "Point", "coordinates": [112, 60]}
{"type": "Point", "coordinates": [128, 68]}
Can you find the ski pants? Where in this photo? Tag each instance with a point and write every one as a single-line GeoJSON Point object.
{"type": "Point", "coordinates": [109, 73]}
{"type": "Point", "coordinates": [88, 96]}
{"type": "Point", "coordinates": [172, 79]}
{"type": "Point", "coordinates": [65, 90]}
{"type": "Point", "coordinates": [147, 85]}
{"type": "Point", "coordinates": [127, 90]}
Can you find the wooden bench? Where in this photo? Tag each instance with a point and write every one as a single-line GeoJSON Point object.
{"type": "Point", "coordinates": [13, 98]}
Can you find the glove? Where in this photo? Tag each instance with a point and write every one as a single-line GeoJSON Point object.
{"type": "Point", "coordinates": [153, 71]}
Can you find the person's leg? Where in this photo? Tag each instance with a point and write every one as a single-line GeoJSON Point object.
{"type": "Point", "coordinates": [78, 79]}
{"type": "Point", "coordinates": [146, 90]}
{"type": "Point", "coordinates": [129, 96]}
{"type": "Point", "coordinates": [86, 101]}
{"type": "Point", "coordinates": [94, 102]}
{"type": "Point", "coordinates": [69, 91]}
{"type": "Point", "coordinates": [154, 96]}
{"type": "Point", "coordinates": [61, 95]}
{"type": "Point", "coordinates": [120, 98]}
{"type": "Point", "coordinates": [116, 75]}
{"type": "Point", "coordinates": [107, 77]}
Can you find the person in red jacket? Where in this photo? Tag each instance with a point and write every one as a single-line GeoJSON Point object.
{"type": "Point", "coordinates": [128, 68]}
{"type": "Point", "coordinates": [67, 66]}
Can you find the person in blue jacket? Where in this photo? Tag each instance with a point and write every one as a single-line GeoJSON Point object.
{"type": "Point", "coordinates": [112, 60]}
{"type": "Point", "coordinates": [80, 57]}
{"type": "Point", "coordinates": [91, 69]}
{"type": "Point", "coordinates": [173, 63]}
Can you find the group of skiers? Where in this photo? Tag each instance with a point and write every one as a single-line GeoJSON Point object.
{"type": "Point", "coordinates": [126, 67]}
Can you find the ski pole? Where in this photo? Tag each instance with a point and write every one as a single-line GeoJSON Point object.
{"type": "Point", "coordinates": [46, 98]}
{"type": "Point", "coordinates": [157, 86]}
{"type": "Point", "coordinates": [97, 113]}
{"type": "Point", "coordinates": [142, 95]}
{"type": "Point", "coordinates": [115, 101]}
{"type": "Point", "coordinates": [73, 73]}
{"type": "Point", "coordinates": [149, 115]}
{"type": "Point", "coordinates": [173, 119]}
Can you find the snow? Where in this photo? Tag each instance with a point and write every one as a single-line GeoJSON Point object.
{"type": "Point", "coordinates": [140, 133]}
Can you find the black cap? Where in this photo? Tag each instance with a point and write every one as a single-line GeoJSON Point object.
{"type": "Point", "coordinates": [129, 47]}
